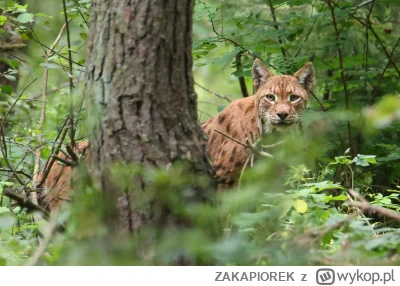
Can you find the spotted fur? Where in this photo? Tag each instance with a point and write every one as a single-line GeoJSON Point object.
{"type": "Point", "coordinates": [277, 104]}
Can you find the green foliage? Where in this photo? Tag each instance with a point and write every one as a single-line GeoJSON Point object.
{"type": "Point", "coordinates": [298, 208]}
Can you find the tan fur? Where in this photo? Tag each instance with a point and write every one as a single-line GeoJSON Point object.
{"type": "Point", "coordinates": [57, 187]}
{"type": "Point", "coordinates": [252, 114]}
{"type": "Point", "coordinates": [255, 114]}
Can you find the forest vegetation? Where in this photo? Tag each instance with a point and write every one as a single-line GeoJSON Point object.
{"type": "Point", "coordinates": [329, 196]}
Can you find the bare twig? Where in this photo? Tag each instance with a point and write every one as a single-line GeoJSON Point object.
{"type": "Point", "coordinates": [364, 205]}
{"type": "Point", "coordinates": [230, 137]}
{"type": "Point", "coordinates": [358, 209]}
{"type": "Point", "coordinates": [250, 144]}
{"type": "Point", "coordinates": [17, 172]}
{"type": "Point", "coordinates": [319, 101]}
{"type": "Point", "coordinates": [11, 47]}
{"type": "Point", "coordinates": [71, 153]}
{"type": "Point", "coordinates": [63, 161]}
{"type": "Point", "coordinates": [50, 162]}
{"type": "Point", "coordinates": [212, 92]}
{"type": "Point", "coordinates": [23, 201]}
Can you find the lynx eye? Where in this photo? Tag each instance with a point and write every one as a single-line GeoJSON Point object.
{"type": "Point", "coordinates": [293, 97]}
{"type": "Point", "coordinates": [270, 97]}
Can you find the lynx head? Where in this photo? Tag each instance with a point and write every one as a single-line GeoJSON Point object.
{"type": "Point", "coordinates": [281, 98]}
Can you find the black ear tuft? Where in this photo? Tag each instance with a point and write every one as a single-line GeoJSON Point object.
{"type": "Point", "coordinates": [260, 74]}
{"type": "Point", "coordinates": [305, 76]}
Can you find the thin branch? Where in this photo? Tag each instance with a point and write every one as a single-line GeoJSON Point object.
{"type": "Point", "coordinates": [382, 74]}
{"type": "Point", "coordinates": [71, 83]}
{"type": "Point", "coordinates": [236, 44]}
{"type": "Point", "coordinates": [366, 206]}
{"type": "Point", "coordinates": [23, 201]}
{"type": "Point", "coordinates": [213, 93]}
{"type": "Point", "coordinates": [4, 148]}
{"type": "Point", "coordinates": [41, 44]}
{"type": "Point", "coordinates": [50, 162]}
{"type": "Point", "coordinates": [378, 39]}
{"type": "Point", "coordinates": [11, 47]}
{"type": "Point", "coordinates": [342, 74]}
{"type": "Point", "coordinates": [17, 172]}
{"type": "Point", "coordinates": [250, 144]}
{"type": "Point", "coordinates": [63, 161]}
{"type": "Point", "coordinates": [71, 153]}
{"type": "Point", "coordinates": [271, 8]}
{"type": "Point", "coordinates": [319, 101]}
{"type": "Point", "coordinates": [309, 31]}
{"type": "Point", "coordinates": [230, 137]}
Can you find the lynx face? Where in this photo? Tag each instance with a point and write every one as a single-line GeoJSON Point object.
{"type": "Point", "coordinates": [281, 98]}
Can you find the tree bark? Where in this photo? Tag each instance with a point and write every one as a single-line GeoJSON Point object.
{"type": "Point", "coordinates": [140, 86]}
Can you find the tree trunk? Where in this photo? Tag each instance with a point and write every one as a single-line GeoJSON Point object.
{"type": "Point", "coordinates": [142, 99]}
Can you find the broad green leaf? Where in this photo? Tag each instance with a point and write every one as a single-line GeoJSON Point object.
{"type": "Point", "coordinates": [7, 221]}
{"type": "Point", "coordinates": [300, 206]}
{"type": "Point", "coordinates": [3, 20]}
{"type": "Point", "coordinates": [10, 77]}
{"type": "Point", "coordinates": [25, 18]}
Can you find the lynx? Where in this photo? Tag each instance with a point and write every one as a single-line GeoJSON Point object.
{"type": "Point", "coordinates": [277, 104]}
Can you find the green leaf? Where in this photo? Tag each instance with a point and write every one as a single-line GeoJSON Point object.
{"type": "Point", "coordinates": [364, 160]}
{"type": "Point", "coordinates": [3, 20]}
{"type": "Point", "coordinates": [369, 158]}
{"type": "Point", "coordinates": [25, 18]}
{"type": "Point", "coordinates": [4, 210]}
{"type": "Point", "coordinates": [6, 221]}
{"type": "Point", "coordinates": [300, 206]}
{"type": "Point", "coordinates": [324, 185]}
{"type": "Point", "coordinates": [84, 36]}
{"type": "Point", "coordinates": [342, 160]}
{"type": "Point", "coordinates": [10, 77]}
{"type": "Point", "coordinates": [335, 198]}
{"type": "Point", "coordinates": [286, 206]}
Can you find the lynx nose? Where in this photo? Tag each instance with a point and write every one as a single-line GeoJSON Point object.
{"type": "Point", "coordinates": [282, 115]}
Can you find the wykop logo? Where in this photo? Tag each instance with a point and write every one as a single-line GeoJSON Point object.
{"type": "Point", "coordinates": [325, 276]}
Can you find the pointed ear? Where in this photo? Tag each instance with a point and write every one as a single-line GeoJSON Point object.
{"type": "Point", "coordinates": [305, 76]}
{"type": "Point", "coordinates": [260, 74]}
